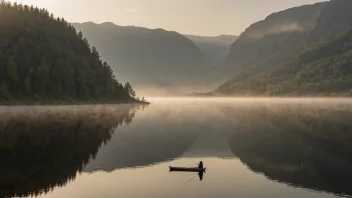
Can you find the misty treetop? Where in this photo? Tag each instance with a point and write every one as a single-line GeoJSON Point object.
{"type": "Point", "coordinates": [44, 58]}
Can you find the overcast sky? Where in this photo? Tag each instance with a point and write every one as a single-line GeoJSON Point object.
{"type": "Point", "coordinates": [199, 17]}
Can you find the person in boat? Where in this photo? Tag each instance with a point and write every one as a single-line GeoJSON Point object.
{"type": "Point", "coordinates": [201, 173]}
{"type": "Point", "coordinates": [200, 165]}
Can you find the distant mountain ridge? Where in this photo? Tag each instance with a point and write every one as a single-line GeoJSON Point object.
{"type": "Point", "coordinates": [147, 57]}
{"type": "Point", "coordinates": [221, 39]}
{"type": "Point", "coordinates": [215, 48]}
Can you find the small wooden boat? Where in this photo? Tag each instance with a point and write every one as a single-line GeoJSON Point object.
{"type": "Point", "coordinates": [181, 169]}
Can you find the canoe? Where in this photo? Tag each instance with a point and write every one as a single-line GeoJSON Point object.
{"type": "Point", "coordinates": [181, 169]}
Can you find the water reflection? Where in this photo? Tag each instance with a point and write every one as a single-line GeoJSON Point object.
{"type": "Point", "coordinates": [303, 150]}
{"type": "Point", "coordinates": [303, 145]}
{"type": "Point", "coordinates": [46, 147]}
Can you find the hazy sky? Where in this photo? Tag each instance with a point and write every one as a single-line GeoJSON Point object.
{"type": "Point", "coordinates": [200, 17]}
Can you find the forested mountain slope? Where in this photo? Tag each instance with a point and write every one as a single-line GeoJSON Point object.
{"type": "Point", "coordinates": [44, 58]}
{"type": "Point", "coordinates": [334, 19]}
{"type": "Point", "coordinates": [274, 40]}
{"type": "Point", "coordinates": [318, 63]}
{"type": "Point", "coordinates": [323, 69]}
{"type": "Point", "coordinates": [154, 57]}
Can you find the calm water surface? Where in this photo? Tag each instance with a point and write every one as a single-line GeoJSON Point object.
{"type": "Point", "coordinates": [250, 147]}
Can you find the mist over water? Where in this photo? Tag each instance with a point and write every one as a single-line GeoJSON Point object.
{"type": "Point", "coordinates": [251, 147]}
{"type": "Point", "coordinates": [251, 101]}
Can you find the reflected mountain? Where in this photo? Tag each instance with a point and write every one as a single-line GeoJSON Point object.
{"type": "Point", "coordinates": [210, 145]}
{"type": "Point", "coordinates": [46, 147]}
{"type": "Point", "coordinates": [150, 141]}
{"type": "Point", "coordinates": [153, 140]}
{"type": "Point", "coordinates": [144, 144]}
{"type": "Point", "coordinates": [303, 147]}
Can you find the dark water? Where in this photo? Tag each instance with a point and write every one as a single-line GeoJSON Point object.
{"type": "Point", "coordinates": [251, 148]}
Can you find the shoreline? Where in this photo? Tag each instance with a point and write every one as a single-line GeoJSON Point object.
{"type": "Point", "coordinates": [72, 102]}
{"type": "Point", "coordinates": [269, 96]}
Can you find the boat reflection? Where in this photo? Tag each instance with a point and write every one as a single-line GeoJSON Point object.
{"type": "Point", "coordinates": [199, 173]}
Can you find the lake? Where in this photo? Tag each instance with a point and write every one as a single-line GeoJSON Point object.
{"type": "Point", "coordinates": [250, 147]}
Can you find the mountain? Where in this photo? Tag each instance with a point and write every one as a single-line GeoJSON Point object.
{"type": "Point", "coordinates": [334, 19]}
{"type": "Point", "coordinates": [311, 57]}
{"type": "Point", "coordinates": [323, 69]}
{"type": "Point", "coordinates": [153, 58]}
{"type": "Point", "coordinates": [43, 58]}
{"type": "Point", "coordinates": [215, 48]}
{"type": "Point", "coordinates": [274, 40]}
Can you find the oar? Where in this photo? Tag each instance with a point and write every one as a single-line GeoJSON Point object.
{"type": "Point", "coordinates": [190, 179]}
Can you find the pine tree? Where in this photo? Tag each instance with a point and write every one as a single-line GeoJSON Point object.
{"type": "Point", "coordinates": [129, 90]}
{"type": "Point", "coordinates": [27, 85]}
{"type": "Point", "coordinates": [11, 71]}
